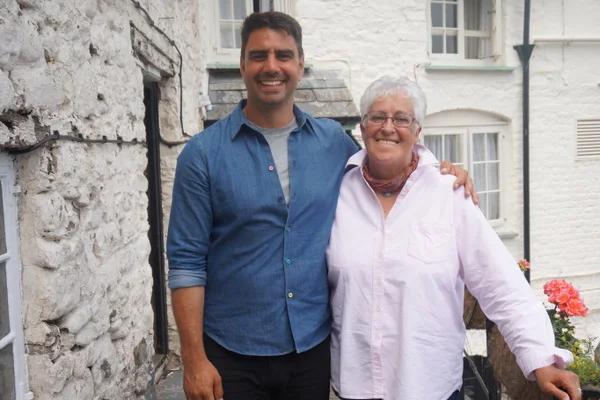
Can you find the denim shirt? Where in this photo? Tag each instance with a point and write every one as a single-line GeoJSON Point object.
{"type": "Point", "coordinates": [262, 262]}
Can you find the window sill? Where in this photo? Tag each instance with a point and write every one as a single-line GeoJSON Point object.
{"type": "Point", "coordinates": [438, 67]}
{"type": "Point", "coordinates": [225, 66]}
{"type": "Point", "coordinates": [505, 233]}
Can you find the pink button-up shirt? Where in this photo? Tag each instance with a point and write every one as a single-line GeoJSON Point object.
{"type": "Point", "coordinates": [397, 288]}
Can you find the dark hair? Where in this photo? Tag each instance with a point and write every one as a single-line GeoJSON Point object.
{"type": "Point", "coordinates": [273, 20]}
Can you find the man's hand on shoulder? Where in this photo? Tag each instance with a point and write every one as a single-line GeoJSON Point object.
{"type": "Point", "coordinates": [462, 179]}
{"type": "Point", "coordinates": [201, 380]}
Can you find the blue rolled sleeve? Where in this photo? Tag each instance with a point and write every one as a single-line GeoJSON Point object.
{"type": "Point", "coordinates": [190, 222]}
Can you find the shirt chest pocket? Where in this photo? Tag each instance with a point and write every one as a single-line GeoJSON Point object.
{"type": "Point", "coordinates": [429, 242]}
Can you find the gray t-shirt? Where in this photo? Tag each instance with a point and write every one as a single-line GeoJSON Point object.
{"type": "Point", "coordinates": [278, 142]}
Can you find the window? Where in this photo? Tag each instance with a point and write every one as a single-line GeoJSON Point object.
{"type": "Point", "coordinates": [12, 347]}
{"type": "Point", "coordinates": [229, 17]}
{"type": "Point", "coordinates": [476, 147]}
{"type": "Point", "coordinates": [464, 30]}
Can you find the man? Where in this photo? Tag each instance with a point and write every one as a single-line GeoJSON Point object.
{"type": "Point", "coordinates": [253, 204]}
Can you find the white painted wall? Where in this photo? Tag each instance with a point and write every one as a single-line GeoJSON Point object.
{"type": "Point", "coordinates": [565, 192]}
{"type": "Point", "coordinates": [367, 39]}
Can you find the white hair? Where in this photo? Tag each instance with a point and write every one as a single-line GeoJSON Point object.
{"type": "Point", "coordinates": [388, 86]}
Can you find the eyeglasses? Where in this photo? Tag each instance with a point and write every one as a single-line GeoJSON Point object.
{"type": "Point", "coordinates": [400, 120]}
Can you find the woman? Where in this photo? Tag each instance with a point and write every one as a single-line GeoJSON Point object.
{"type": "Point", "coordinates": [403, 246]}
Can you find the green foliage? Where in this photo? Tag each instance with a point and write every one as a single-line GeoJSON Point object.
{"type": "Point", "coordinates": [564, 331]}
{"type": "Point", "coordinates": [584, 364]}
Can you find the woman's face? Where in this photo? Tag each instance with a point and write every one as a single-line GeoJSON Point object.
{"type": "Point", "coordinates": [387, 143]}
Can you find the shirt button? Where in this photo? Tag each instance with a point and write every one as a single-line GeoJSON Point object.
{"type": "Point", "coordinates": [288, 261]}
{"type": "Point", "coordinates": [271, 168]}
{"type": "Point", "coordinates": [288, 228]}
{"type": "Point", "coordinates": [280, 199]}
{"type": "Point", "coordinates": [290, 295]}
{"type": "Point", "coordinates": [377, 309]}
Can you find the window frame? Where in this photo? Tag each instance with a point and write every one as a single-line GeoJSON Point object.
{"type": "Point", "coordinates": [228, 56]}
{"type": "Point", "coordinates": [467, 132]}
{"type": "Point", "coordinates": [459, 59]}
{"type": "Point", "coordinates": [13, 278]}
{"type": "Point", "coordinates": [218, 49]}
{"type": "Point", "coordinates": [487, 130]}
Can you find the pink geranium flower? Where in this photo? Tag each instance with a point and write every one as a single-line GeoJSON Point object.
{"type": "Point", "coordinates": [524, 265]}
{"type": "Point", "coordinates": [565, 297]}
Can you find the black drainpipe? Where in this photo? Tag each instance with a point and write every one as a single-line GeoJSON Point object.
{"type": "Point", "coordinates": [525, 50]}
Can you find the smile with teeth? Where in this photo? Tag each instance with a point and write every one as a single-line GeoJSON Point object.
{"type": "Point", "coordinates": [271, 83]}
{"type": "Point", "coordinates": [386, 141]}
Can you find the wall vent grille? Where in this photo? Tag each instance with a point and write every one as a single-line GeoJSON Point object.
{"type": "Point", "coordinates": [588, 138]}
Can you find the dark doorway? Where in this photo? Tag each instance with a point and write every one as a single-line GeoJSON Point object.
{"type": "Point", "coordinates": [155, 219]}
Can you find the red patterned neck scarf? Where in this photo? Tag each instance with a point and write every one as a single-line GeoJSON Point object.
{"type": "Point", "coordinates": [388, 187]}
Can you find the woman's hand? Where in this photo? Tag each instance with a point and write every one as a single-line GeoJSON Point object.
{"type": "Point", "coordinates": [462, 179]}
{"type": "Point", "coordinates": [551, 380]}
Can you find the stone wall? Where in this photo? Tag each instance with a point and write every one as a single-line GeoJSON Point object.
{"type": "Point", "coordinates": [74, 67]}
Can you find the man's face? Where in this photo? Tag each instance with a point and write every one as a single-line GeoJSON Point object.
{"type": "Point", "coordinates": [271, 68]}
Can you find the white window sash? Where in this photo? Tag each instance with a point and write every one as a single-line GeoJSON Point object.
{"type": "Point", "coordinates": [496, 29]}
{"type": "Point", "coordinates": [461, 29]}
{"type": "Point", "coordinates": [483, 130]}
{"type": "Point", "coordinates": [467, 133]}
{"type": "Point", "coordinates": [494, 34]}
{"type": "Point", "coordinates": [226, 50]}
{"type": "Point", "coordinates": [13, 278]}
{"type": "Point", "coordinates": [479, 34]}
{"type": "Point", "coordinates": [450, 131]}
{"type": "Point", "coordinates": [285, 6]}
{"type": "Point", "coordinates": [231, 56]}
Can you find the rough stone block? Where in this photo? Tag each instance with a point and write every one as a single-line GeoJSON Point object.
{"type": "Point", "coordinates": [7, 93]}
{"type": "Point", "coordinates": [77, 319]}
{"type": "Point", "coordinates": [38, 91]}
{"type": "Point", "coordinates": [78, 388]}
{"type": "Point", "coordinates": [50, 294]}
{"type": "Point", "coordinates": [37, 334]}
{"type": "Point", "coordinates": [21, 129]}
{"type": "Point", "coordinates": [57, 218]}
{"type": "Point", "coordinates": [49, 378]}
{"type": "Point", "coordinates": [97, 325]}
